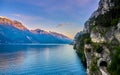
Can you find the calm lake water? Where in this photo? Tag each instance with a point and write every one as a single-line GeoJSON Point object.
{"type": "Point", "coordinates": [39, 60]}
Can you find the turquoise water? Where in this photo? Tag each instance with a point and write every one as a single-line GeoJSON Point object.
{"type": "Point", "coordinates": [39, 60]}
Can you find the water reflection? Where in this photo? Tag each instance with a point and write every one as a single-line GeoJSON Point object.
{"type": "Point", "coordinates": [39, 59]}
{"type": "Point", "coordinates": [47, 54]}
{"type": "Point", "coordinates": [9, 62]}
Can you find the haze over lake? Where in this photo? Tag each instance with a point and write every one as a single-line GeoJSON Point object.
{"type": "Point", "coordinates": [40, 60]}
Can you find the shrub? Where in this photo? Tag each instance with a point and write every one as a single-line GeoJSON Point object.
{"type": "Point", "coordinates": [103, 20]}
{"type": "Point", "coordinates": [114, 21]}
{"type": "Point", "coordinates": [81, 43]}
{"type": "Point", "coordinates": [116, 2]}
{"type": "Point", "coordinates": [114, 67]}
{"type": "Point", "coordinates": [94, 28]}
{"type": "Point", "coordinates": [94, 68]}
{"type": "Point", "coordinates": [99, 49]}
{"type": "Point", "coordinates": [87, 40]}
{"type": "Point", "coordinates": [110, 18]}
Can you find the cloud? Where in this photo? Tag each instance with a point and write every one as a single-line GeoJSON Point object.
{"type": "Point", "coordinates": [51, 6]}
{"type": "Point", "coordinates": [24, 17]}
{"type": "Point", "coordinates": [60, 25]}
{"type": "Point", "coordinates": [82, 2]}
{"type": "Point", "coordinates": [56, 5]}
{"type": "Point", "coordinates": [29, 18]}
{"type": "Point", "coordinates": [64, 25]}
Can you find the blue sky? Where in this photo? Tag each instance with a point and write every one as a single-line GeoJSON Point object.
{"type": "Point", "coordinates": [63, 16]}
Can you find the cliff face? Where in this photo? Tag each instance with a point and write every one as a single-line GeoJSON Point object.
{"type": "Point", "coordinates": [99, 44]}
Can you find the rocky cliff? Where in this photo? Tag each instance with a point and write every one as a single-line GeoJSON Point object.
{"type": "Point", "coordinates": [99, 45]}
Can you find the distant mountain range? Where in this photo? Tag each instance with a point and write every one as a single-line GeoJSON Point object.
{"type": "Point", "coordinates": [15, 32]}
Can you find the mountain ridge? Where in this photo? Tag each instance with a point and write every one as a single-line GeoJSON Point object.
{"type": "Point", "coordinates": [7, 21]}
{"type": "Point", "coordinates": [21, 34]}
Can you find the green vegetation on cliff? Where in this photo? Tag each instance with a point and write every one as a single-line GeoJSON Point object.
{"type": "Point", "coordinates": [82, 39]}
{"type": "Point", "coordinates": [97, 47]}
{"type": "Point", "coordinates": [116, 2]}
{"type": "Point", "coordinates": [114, 67]}
{"type": "Point", "coordinates": [111, 17]}
{"type": "Point", "coordinates": [94, 69]}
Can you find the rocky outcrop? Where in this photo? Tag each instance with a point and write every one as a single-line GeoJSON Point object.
{"type": "Point", "coordinates": [76, 36]}
{"type": "Point", "coordinates": [103, 35]}
{"type": "Point", "coordinates": [103, 28]}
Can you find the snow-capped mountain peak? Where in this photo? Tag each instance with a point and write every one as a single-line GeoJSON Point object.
{"type": "Point", "coordinates": [16, 24]}
{"type": "Point", "coordinates": [20, 34]}
{"type": "Point", "coordinates": [39, 31]}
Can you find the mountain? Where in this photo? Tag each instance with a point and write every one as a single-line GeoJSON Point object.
{"type": "Point", "coordinates": [99, 45]}
{"type": "Point", "coordinates": [77, 36]}
{"type": "Point", "coordinates": [15, 32]}
{"type": "Point", "coordinates": [16, 24]}
{"type": "Point", "coordinates": [50, 37]}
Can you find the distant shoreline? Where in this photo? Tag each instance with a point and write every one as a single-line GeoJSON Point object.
{"type": "Point", "coordinates": [32, 44]}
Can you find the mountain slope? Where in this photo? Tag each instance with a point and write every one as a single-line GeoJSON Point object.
{"type": "Point", "coordinates": [15, 32]}
{"type": "Point", "coordinates": [99, 45]}
{"type": "Point", "coordinates": [50, 37]}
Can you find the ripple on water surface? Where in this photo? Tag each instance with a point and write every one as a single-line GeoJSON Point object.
{"type": "Point", "coordinates": [39, 60]}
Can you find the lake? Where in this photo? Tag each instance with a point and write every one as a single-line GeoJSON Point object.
{"type": "Point", "coordinates": [40, 60]}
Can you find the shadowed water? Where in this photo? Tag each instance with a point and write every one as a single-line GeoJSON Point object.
{"type": "Point", "coordinates": [39, 60]}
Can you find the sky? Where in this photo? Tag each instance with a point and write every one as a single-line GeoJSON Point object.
{"type": "Point", "coordinates": [62, 16]}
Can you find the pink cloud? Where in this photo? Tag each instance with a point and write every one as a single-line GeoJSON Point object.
{"type": "Point", "coordinates": [64, 25]}
{"type": "Point", "coordinates": [24, 17]}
